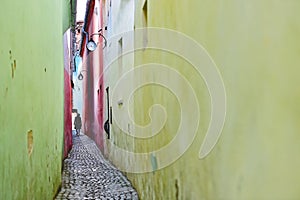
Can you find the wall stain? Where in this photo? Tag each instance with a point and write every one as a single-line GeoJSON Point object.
{"type": "Point", "coordinates": [30, 142]}
{"type": "Point", "coordinates": [13, 64]}
{"type": "Point", "coordinates": [6, 92]}
{"type": "Point", "coordinates": [176, 189]}
{"type": "Point", "coordinates": [12, 71]}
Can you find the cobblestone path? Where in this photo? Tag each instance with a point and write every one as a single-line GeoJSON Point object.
{"type": "Point", "coordinates": [87, 175]}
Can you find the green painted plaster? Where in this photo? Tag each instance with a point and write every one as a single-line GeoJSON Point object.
{"type": "Point", "coordinates": [31, 98]}
{"type": "Point", "coordinates": [66, 14]}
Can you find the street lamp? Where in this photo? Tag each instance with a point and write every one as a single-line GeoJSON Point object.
{"type": "Point", "coordinates": [91, 44]}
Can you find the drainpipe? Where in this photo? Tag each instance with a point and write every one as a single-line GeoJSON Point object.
{"type": "Point", "coordinates": [87, 20]}
{"type": "Point", "coordinates": [73, 33]}
{"type": "Point", "coordinates": [73, 42]}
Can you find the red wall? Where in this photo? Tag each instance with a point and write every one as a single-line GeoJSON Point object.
{"type": "Point", "coordinates": [67, 115]}
{"type": "Point", "coordinates": [67, 100]}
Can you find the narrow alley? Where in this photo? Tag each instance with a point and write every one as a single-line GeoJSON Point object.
{"type": "Point", "coordinates": [87, 175]}
{"type": "Point", "coordinates": [150, 99]}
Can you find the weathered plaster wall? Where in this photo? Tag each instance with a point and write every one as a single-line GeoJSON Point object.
{"type": "Point", "coordinates": [256, 47]}
{"type": "Point", "coordinates": [67, 95]}
{"type": "Point", "coordinates": [31, 98]}
{"type": "Point", "coordinates": [92, 68]}
{"type": "Point", "coordinates": [119, 18]}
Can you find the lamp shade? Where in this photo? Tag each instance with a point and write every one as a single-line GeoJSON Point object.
{"type": "Point", "coordinates": [91, 45]}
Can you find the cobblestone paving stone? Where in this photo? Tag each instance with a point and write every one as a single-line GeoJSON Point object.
{"type": "Point", "coordinates": [87, 175]}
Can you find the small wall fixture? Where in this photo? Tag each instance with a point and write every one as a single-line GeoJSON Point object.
{"type": "Point", "coordinates": [91, 44]}
{"type": "Point", "coordinates": [120, 102]}
{"type": "Point", "coordinates": [109, 118]}
{"type": "Point", "coordinates": [80, 76]}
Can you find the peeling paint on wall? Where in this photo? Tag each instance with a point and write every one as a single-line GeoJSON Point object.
{"type": "Point", "coordinates": [30, 142]}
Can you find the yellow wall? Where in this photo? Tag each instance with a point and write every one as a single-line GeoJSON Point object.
{"type": "Point", "coordinates": [31, 98]}
{"type": "Point", "coordinates": [255, 45]}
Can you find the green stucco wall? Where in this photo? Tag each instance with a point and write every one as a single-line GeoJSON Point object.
{"type": "Point", "coordinates": [66, 14]}
{"type": "Point", "coordinates": [31, 98]}
{"type": "Point", "coordinates": [256, 46]}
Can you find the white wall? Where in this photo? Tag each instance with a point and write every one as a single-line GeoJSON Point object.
{"type": "Point", "coordinates": [119, 19]}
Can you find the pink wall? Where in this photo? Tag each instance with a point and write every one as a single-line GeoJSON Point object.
{"type": "Point", "coordinates": [93, 80]}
